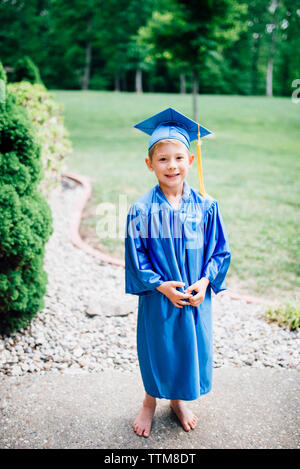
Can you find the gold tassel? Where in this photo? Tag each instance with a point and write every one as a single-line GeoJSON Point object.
{"type": "Point", "coordinates": [199, 164]}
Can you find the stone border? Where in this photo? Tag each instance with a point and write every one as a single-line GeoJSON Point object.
{"type": "Point", "coordinates": [79, 243]}
{"type": "Point", "coordinates": [76, 220]}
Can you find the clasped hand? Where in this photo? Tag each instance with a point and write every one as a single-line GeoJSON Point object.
{"type": "Point", "coordinates": [179, 299]}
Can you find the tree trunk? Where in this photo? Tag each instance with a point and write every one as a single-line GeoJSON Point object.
{"type": "Point", "coordinates": [88, 59]}
{"type": "Point", "coordinates": [195, 96]}
{"type": "Point", "coordinates": [270, 77]}
{"type": "Point", "coordinates": [138, 81]}
{"type": "Point", "coordinates": [272, 53]}
{"type": "Point", "coordinates": [117, 80]}
{"type": "Point", "coordinates": [150, 85]}
{"type": "Point", "coordinates": [87, 68]}
{"type": "Point", "coordinates": [124, 82]}
{"type": "Point", "coordinates": [182, 83]}
{"type": "Point", "coordinates": [255, 65]}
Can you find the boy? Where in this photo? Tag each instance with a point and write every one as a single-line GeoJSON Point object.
{"type": "Point", "coordinates": [175, 237]}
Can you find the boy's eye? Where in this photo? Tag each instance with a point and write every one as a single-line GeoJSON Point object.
{"type": "Point", "coordinates": [177, 157]}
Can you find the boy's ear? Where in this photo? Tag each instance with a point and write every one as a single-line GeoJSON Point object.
{"type": "Point", "coordinates": [149, 163]}
{"type": "Point", "coordinates": [191, 159]}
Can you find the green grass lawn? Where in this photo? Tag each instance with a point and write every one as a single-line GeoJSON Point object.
{"type": "Point", "coordinates": [251, 167]}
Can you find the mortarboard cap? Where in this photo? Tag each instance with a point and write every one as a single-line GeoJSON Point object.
{"type": "Point", "coordinates": [171, 124]}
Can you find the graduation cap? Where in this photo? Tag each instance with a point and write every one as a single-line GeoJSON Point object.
{"type": "Point", "coordinates": [171, 124]}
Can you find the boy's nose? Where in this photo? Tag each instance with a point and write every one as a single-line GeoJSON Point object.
{"type": "Point", "coordinates": [172, 164]}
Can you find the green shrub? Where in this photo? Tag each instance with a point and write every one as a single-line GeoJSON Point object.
{"type": "Point", "coordinates": [24, 224]}
{"type": "Point", "coordinates": [288, 313]}
{"type": "Point", "coordinates": [26, 70]}
{"type": "Point", "coordinates": [20, 161]}
{"type": "Point", "coordinates": [25, 219]}
{"type": "Point", "coordinates": [22, 290]}
{"type": "Point", "coordinates": [46, 117]}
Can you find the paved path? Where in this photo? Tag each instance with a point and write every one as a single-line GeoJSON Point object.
{"type": "Point", "coordinates": [248, 408]}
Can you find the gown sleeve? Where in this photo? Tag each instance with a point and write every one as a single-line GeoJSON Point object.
{"type": "Point", "coordinates": [140, 277]}
{"type": "Point", "coordinates": [216, 249]}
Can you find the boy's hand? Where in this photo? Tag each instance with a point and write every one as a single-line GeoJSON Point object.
{"type": "Point", "coordinates": [200, 287]}
{"type": "Point", "coordinates": [174, 295]}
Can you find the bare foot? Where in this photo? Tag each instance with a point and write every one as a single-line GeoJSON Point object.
{"type": "Point", "coordinates": [187, 419]}
{"type": "Point", "coordinates": [143, 421]}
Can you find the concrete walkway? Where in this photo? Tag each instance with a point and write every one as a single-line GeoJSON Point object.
{"type": "Point", "coordinates": [248, 408]}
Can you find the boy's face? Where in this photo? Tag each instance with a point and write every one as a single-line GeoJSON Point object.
{"type": "Point", "coordinates": [170, 162]}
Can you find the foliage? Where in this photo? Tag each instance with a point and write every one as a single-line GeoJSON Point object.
{"type": "Point", "coordinates": [188, 36]}
{"type": "Point", "coordinates": [25, 219]}
{"type": "Point", "coordinates": [26, 70]}
{"type": "Point", "coordinates": [285, 314]}
{"type": "Point", "coordinates": [95, 44]}
{"type": "Point", "coordinates": [22, 290]}
{"type": "Point", "coordinates": [22, 224]}
{"type": "Point", "coordinates": [46, 117]}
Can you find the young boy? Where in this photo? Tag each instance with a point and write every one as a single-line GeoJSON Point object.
{"type": "Point", "coordinates": [175, 238]}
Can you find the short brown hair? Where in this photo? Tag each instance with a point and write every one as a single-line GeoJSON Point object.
{"type": "Point", "coordinates": [165, 140]}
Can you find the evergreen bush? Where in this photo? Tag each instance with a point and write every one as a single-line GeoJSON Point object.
{"type": "Point", "coordinates": [26, 70]}
{"type": "Point", "coordinates": [25, 219]}
{"type": "Point", "coordinates": [46, 117]}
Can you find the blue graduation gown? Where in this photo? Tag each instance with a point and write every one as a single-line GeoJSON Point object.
{"type": "Point", "coordinates": [174, 345]}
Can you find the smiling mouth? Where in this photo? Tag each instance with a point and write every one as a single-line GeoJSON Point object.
{"type": "Point", "coordinates": [172, 175]}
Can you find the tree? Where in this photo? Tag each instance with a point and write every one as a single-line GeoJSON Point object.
{"type": "Point", "coordinates": [122, 50]}
{"type": "Point", "coordinates": [76, 40]}
{"type": "Point", "coordinates": [156, 44]}
{"type": "Point", "coordinates": [289, 66]}
{"type": "Point", "coordinates": [273, 43]}
{"type": "Point", "coordinates": [282, 21]}
{"type": "Point", "coordinates": [24, 31]}
{"type": "Point", "coordinates": [190, 30]}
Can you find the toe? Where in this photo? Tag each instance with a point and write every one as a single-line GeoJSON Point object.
{"type": "Point", "coordinates": [147, 431]}
{"type": "Point", "coordinates": [194, 422]}
{"type": "Point", "coordinates": [186, 426]}
{"type": "Point", "coordinates": [136, 428]}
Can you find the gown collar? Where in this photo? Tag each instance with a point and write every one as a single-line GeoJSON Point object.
{"type": "Point", "coordinates": [185, 193]}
